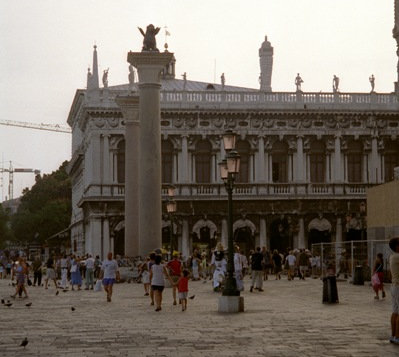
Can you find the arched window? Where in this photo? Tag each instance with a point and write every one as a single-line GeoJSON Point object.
{"type": "Point", "coordinates": [243, 148]}
{"type": "Point", "coordinates": [167, 161]}
{"type": "Point", "coordinates": [120, 162]}
{"type": "Point", "coordinates": [391, 159]}
{"type": "Point", "coordinates": [317, 158]}
{"type": "Point", "coordinates": [203, 162]}
{"type": "Point", "coordinates": [354, 160]}
{"type": "Point", "coordinates": [280, 162]}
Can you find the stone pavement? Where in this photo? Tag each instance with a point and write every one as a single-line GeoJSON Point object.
{"type": "Point", "coordinates": [286, 319]}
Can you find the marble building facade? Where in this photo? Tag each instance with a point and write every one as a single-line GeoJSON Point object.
{"type": "Point", "coordinates": [307, 160]}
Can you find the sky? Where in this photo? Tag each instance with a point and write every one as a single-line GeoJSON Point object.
{"type": "Point", "coordinates": [46, 47]}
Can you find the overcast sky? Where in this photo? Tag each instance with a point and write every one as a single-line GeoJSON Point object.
{"type": "Point", "coordinates": [46, 47]}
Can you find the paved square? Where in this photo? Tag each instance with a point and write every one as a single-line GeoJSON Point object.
{"type": "Point", "coordinates": [287, 319]}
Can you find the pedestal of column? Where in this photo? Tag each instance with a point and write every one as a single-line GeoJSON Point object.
{"type": "Point", "coordinates": [149, 65]}
{"type": "Point", "coordinates": [130, 110]}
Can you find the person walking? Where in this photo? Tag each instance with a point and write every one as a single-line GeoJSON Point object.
{"type": "Point", "coordinates": [175, 268]}
{"type": "Point", "coordinates": [157, 281]}
{"type": "Point", "coordinates": [109, 275]}
{"type": "Point", "coordinates": [50, 273]}
{"type": "Point", "coordinates": [394, 267]}
{"type": "Point", "coordinates": [277, 264]}
{"type": "Point", "coordinates": [256, 267]}
{"type": "Point", "coordinates": [89, 272]}
{"type": "Point", "coordinates": [37, 271]}
{"type": "Point", "coordinates": [303, 261]}
{"type": "Point", "coordinates": [20, 272]}
{"type": "Point", "coordinates": [238, 269]}
{"type": "Point", "coordinates": [182, 286]}
{"type": "Point", "coordinates": [64, 271]}
{"type": "Point", "coordinates": [379, 271]}
{"type": "Point", "coordinates": [291, 260]}
{"type": "Point", "coordinates": [76, 278]}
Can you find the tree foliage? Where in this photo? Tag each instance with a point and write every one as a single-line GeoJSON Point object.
{"type": "Point", "coordinates": [5, 233]}
{"type": "Point", "coordinates": [45, 209]}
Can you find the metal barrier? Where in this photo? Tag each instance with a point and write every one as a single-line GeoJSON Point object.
{"type": "Point", "coordinates": [341, 258]}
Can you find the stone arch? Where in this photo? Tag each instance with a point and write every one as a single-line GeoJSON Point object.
{"type": "Point", "coordinates": [202, 223]}
{"type": "Point", "coordinates": [319, 230]}
{"type": "Point", "coordinates": [244, 235]}
{"type": "Point", "coordinates": [243, 222]}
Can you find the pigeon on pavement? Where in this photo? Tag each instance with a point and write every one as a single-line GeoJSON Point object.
{"type": "Point", "coordinates": [72, 308]}
{"type": "Point", "coordinates": [8, 304]}
{"type": "Point", "coordinates": [29, 304]}
{"type": "Point", "coordinates": [24, 342]}
{"type": "Point", "coordinates": [192, 297]}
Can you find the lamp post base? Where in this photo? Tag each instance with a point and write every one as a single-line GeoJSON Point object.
{"type": "Point", "coordinates": [231, 304]}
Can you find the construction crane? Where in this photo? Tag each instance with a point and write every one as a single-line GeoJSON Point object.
{"type": "Point", "coordinates": [48, 127]}
{"type": "Point", "coordinates": [11, 172]}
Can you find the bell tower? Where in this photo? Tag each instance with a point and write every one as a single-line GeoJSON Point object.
{"type": "Point", "coordinates": [266, 66]}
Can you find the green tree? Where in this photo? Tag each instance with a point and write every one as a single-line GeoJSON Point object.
{"type": "Point", "coordinates": [45, 209]}
{"type": "Point", "coordinates": [5, 233]}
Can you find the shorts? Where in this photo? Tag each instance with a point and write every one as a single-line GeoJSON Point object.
{"type": "Point", "coordinates": [303, 268]}
{"type": "Point", "coordinates": [395, 299]}
{"type": "Point", "coordinates": [175, 278]}
{"type": "Point", "coordinates": [157, 287]}
{"type": "Point", "coordinates": [51, 274]}
{"type": "Point", "coordinates": [183, 295]}
{"type": "Point", "coordinates": [109, 281]}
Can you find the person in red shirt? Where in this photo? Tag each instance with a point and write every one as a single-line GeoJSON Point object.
{"type": "Point", "coordinates": [182, 286]}
{"type": "Point", "coordinates": [174, 267]}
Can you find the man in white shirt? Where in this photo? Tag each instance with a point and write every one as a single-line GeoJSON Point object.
{"type": "Point", "coordinates": [90, 272]}
{"type": "Point", "coordinates": [64, 271]}
{"type": "Point", "coordinates": [291, 260]}
{"type": "Point", "coordinates": [109, 274]}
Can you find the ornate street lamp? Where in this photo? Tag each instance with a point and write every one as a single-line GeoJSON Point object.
{"type": "Point", "coordinates": [171, 207]}
{"type": "Point", "coordinates": [229, 168]}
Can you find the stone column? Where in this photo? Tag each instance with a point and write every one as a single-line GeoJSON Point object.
{"type": "Point", "coordinates": [337, 160]}
{"type": "Point", "coordinates": [299, 160]}
{"type": "Point", "coordinates": [106, 161]}
{"type": "Point", "coordinates": [338, 231]}
{"type": "Point", "coordinates": [224, 237]}
{"type": "Point", "coordinates": [260, 170]}
{"type": "Point", "coordinates": [149, 65]}
{"type": "Point", "coordinates": [130, 109]}
{"type": "Point", "coordinates": [262, 233]}
{"type": "Point", "coordinates": [106, 238]}
{"type": "Point", "coordinates": [185, 246]}
{"type": "Point", "coordinates": [301, 234]}
{"type": "Point", "coordinates": [374, 161]}
{"type": "Point", "coordinates": [183, 162]}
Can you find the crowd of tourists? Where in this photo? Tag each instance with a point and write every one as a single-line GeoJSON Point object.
{"type": "Point", "coordinates": [157, 270]}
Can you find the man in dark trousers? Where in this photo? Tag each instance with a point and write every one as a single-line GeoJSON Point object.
{"type": "Point", "coordinates": [257, 270]}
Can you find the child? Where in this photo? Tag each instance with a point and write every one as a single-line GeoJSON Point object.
{"type": "Point", "coordinates": [145, 276]}
{"type": "Point", "coordinates": [182, 286]}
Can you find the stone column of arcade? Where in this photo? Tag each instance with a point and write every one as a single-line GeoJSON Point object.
{"type": "Point", "coordinates": [130, 110]}
{"type": "Point", "coordinates": [149, 63]}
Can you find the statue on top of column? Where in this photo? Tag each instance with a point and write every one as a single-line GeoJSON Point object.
{"type": "Point", "coordinates": [149, 42]}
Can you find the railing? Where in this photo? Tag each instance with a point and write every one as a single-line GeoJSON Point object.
{"type": "Point", "coordinates": [259, 99]}
{"type": "Point", "coordinates": [241, 190]}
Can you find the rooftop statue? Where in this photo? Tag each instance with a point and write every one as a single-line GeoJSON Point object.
{"type": "Point", "coordinates": [335, 84]}
{"type": "Point", "coordinates": [298, 82]}
{"type": "Point", "coordinates": [105, 78]}
{"type": "Point", "coordinates": [223, 80]}
{"type": "Point", "coordinates": [149, 42]}
{"type": "Point", "coordinates": [372, 82]}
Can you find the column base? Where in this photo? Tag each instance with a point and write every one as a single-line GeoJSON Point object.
{"type": "Point", "coordinates": [231, 304]}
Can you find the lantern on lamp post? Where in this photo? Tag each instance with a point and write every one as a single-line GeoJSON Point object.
{"type": "Point", "coordinates": [229, 168]}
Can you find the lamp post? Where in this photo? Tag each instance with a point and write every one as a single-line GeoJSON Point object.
{"type": "Point", "coordinates": [229, 168]}
{"type": "Point", "coordinates": [171, 207]}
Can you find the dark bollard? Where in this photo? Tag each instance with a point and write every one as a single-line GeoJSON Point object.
{"type": "Point", "coordinates": [358, 278]}
{"type": "Point", "coordinates": [330, 291]}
